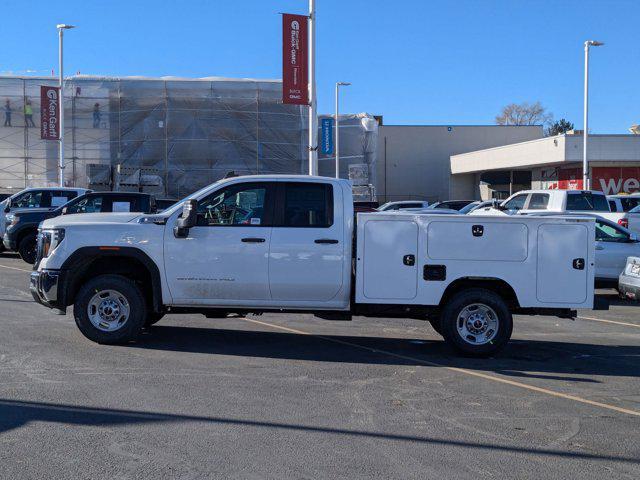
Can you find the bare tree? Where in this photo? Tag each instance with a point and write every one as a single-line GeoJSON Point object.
{"type": "Point", "coordinates": [524, 114]}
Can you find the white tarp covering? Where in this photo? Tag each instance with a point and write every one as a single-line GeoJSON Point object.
{"type": "Point", "coordinates": [166, 136]}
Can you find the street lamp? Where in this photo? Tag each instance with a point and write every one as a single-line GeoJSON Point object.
{"type": "Point", "coordinates": [61, 164]}
{"type": "Point", "coordinates": [338, 85]}
{"type": "Point", "coordinates": [585, 136]}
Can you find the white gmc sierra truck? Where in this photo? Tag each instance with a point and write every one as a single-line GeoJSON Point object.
{"type": "Point", "coordinates": [256, 244]}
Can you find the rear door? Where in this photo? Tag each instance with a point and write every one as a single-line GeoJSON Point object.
{"type": "Point", "coordinates": [306, 256]}
{"type": "Point", "coordinates": [563, 263]}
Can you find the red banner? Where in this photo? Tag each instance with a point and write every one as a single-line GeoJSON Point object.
{"type": "Point", "coordinates": [295, 80]}
{"type": "Point", "coordinates": [610, 180]}
{"type": "Point", "coordinates": [50, 113]}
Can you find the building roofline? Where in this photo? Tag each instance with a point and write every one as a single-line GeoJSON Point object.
{"type": "Point", "coordinates": [141, 78]}
{"type": "Point", "coordinates": [457, 125]}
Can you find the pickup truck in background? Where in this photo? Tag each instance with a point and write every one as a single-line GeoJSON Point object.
{"type": "Point", "coordinates": [50, 197]}
{"type": "Point", "coordinates": [285, 243]}
{"type": "Point", "coordinates": [562, 201]}
{"type": "Point", "coordinates": [22, 223]}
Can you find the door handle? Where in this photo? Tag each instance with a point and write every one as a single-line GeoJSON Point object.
{"type": "Point", "coordinates": [253, 240]}
{"type": "Point", "coordinates": [326, 240]}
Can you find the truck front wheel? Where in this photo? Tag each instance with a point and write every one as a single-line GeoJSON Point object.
{"type": "Point", "coordinates": [110, 309]}
{"type": "Point", "coordinates": [477, 322]}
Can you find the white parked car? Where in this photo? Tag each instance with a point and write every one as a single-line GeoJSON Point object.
{"type": "Point", "coordinates": [562, 201]}
{"type": "Point", "coordinates": [401, 205]}
{"type": "Point", "coordinates": [286, 243]}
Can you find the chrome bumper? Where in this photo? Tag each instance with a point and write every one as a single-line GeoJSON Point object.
{"type": "Point", "coordinates": [44, 286]}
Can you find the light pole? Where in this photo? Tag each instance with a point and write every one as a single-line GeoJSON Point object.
{"type": "Point", "coordinates": [585, 137]}
{"type": "Point", "coordinates": [313, 115]}
{"type": "Point", "coordinates": [338, 85]}
{"type": "Point", "coordinates": [61, 164]}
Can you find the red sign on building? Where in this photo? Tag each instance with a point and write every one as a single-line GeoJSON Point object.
{"type": "Point", "coordinates": [610, 180]}
{"type": "Point", "coordinates": [295, 80]}
{"type": "Point", "coordinates": [50, 113]}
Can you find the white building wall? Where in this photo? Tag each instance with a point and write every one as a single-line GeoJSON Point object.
{"type": "Point", "coordinates": [414, 161]}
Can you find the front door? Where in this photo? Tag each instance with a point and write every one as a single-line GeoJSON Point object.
{"type": "Point", "coordinates": [224, 259]}
{"type": "Point", "coordinates": [306, 258]}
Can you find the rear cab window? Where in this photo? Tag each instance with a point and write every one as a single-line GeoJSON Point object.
{"type": "Point", "coordinates": [587, 201]}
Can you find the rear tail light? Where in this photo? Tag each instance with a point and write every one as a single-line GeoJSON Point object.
{"type": "Point", "coordinates": [624, 222]}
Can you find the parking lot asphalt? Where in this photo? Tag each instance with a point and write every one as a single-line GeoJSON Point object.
{"type": "Point", "coordinates": [293, 396]}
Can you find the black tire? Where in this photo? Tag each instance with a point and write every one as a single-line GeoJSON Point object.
{"type": "Point", "coordinates": [477, 298]}
{"type": "Point", "coordinates": [129, 291]}
{"type": "Point", "coordinates": [27, 248]}
{"type": "Point", "coordinates": [153, 318]}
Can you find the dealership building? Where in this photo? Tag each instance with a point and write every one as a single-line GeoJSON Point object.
{"type": "Point", "coordinates": [551, 162]}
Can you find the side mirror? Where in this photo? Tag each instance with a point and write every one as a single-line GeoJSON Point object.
{"type": "Point", "coordinates": [188, 220]}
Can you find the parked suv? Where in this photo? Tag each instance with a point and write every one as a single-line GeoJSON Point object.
{"type": "Point", "coordinates": [44, 198]}
{"type": "Point", "coordinates": [22, 224]}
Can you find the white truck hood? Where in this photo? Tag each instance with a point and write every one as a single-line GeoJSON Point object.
{"type": "Point", "coordinates": [89, 218]}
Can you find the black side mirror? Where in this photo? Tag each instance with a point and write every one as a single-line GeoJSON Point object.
{"type": "Point", "coordinates": [188, 220]}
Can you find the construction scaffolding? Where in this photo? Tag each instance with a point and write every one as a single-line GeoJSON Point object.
{"type": "Point", "coordinates": [167, 136]}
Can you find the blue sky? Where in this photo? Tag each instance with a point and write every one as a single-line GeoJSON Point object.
{"type": "Point", "coordinates": [415, 62]}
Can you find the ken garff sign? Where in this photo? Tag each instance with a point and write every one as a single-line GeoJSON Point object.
{"type": "Point", "coordinates": [50, 113]}
{"type": "Point", "coordinates": [327, 135]}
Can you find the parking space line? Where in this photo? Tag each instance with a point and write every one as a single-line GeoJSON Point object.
{"type": "Point", "coordinates": [18, 269]}
{"type": "Point", "coordinates": [627, 324]}
{"type": "Point", "coordinates": [473, 373]}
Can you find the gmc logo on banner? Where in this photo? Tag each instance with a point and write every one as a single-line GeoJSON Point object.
{"type": "Point", "coordinates": [295, 77]}
{"type": "Point", "coordinates": [50, 108]}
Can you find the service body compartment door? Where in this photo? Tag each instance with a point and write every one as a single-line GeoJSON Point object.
{"type": "Point", "coordinates": [563, 263]}
{"type": "Point", "coordinates": [390, 264]}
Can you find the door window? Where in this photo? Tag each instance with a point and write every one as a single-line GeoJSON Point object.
{"type": "Point", "coordinates": [516, 203]}
{"type": "Point", "coordinates": [242, 204]}
{"type": "Point", "coordinates": [92, 204]}
{"type": "Point", "coordinates": [538, 201]}
{"type": "Point", "coordinates": [30, 200]}
{"type": "Point", "coordinates": [608, 233]}
{"type": "Point", "coordinates": [629, 203]}
{"type": "Point", "coordinates": [308, 205]}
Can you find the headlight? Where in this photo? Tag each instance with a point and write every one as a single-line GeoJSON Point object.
{"type": "Point", "coordinates": [49, 240]}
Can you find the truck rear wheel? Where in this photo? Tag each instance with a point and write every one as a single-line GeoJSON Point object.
{"type": "Point", "coordinates": [110, 309]}
{"type": "Point", "coordinates": [27, 248]}
{"type": "Point", "coordinates": [477, 322]}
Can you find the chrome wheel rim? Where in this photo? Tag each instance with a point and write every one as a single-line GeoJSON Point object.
{"type": "Point", "coordinates": [477, 324]}
{"type": "Point", "coordinates": [108, 310]}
